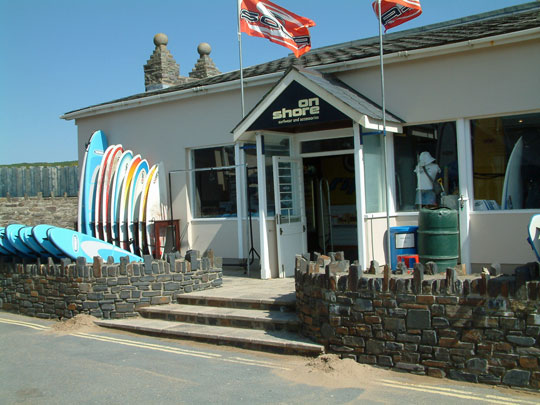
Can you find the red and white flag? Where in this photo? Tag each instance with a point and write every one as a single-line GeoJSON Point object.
{"type": "Point", "coordinates": [397, 12]}
{"type": "Point", "coordinates": [262, 18]}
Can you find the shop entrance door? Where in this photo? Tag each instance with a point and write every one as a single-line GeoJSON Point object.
{"type": "Point", "coordinates": [290, 213]}
{"type": "Point", "coordinates": [330, 200]}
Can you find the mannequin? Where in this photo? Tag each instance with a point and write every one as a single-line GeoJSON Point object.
{"type": "Point", "coordinates": [426, 174]}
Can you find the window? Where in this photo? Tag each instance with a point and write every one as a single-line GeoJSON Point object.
{"type": "Point", "coordinates": [374, 174]}
{"type": "Point", "coordinates": [425, 159]}
{"type": "Point", "coordinates": [506, 169]}
{"type": "Point", "coordinates": [215, 182]}
{"type": "Point", "coordinates": [274, 145]}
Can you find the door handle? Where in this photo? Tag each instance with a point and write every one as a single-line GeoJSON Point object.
{"type": "Point", "coordinates": [281, 231]}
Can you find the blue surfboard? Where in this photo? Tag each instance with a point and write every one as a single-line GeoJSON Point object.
{"type": "Point", "coordinates": [3, 250]}
{"type": "Point", "coordinates": [91, 163]}
{"type": "Point", "coordinates": [12, 235]}
{"type": "Point", "coordinates": [76, 244]}
{"type": "Point", "coordinates": [25, 234]}
{"type": "Point", "coordinates": [4, 243]}
{"type": "Point", "coordinates": [40, 235]}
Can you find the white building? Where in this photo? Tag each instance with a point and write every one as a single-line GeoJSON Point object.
{"type": "Point", "coordinates": [466, 91]}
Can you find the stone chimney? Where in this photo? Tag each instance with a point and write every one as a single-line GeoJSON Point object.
{"type": "Point", "coordinates": [205, 66]}
{"type": "Point", "coordinates": [161, 70]}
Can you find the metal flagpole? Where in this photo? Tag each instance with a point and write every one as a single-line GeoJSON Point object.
{"type": "Point", "coordinates": [240, 56]}
{"type": "Point", "coordinates": [388, 241]}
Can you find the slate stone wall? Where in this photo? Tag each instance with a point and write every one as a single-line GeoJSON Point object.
{"type": "Point", "coordinates": [31, 211]}
{"type": "Point", "coordinates": [104, 290]}
{"type": "Point", "coordinates": [471, 328]}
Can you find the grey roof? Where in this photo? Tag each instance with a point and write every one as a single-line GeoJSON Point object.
{"type": "Point", "coordinates": [499, 22]}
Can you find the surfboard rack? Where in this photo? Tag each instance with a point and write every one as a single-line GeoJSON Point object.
{"type": "Point", "coordinates": [161, 227]}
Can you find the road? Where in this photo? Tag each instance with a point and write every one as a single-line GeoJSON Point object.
{"type": "Point", "coordinates": [44, 365]}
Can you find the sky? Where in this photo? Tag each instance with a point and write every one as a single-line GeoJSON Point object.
{"type": "Point", "coordinates": [57, 56]}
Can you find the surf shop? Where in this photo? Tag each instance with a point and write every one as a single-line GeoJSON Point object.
{"type": "Point", "coordinates": [305, 169]}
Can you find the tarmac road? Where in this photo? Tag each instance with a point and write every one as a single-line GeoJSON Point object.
{"type": "Point", "coordinates": [98, 366]}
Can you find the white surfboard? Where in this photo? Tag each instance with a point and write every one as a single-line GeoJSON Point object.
{"type": "Point", "coordinates": [114, 160]}
{"type": "Point", "coordinates": [512, 196]}
{"type": "Point", "coordinates": [124, 201]}
{"type": "Point", "coordinates": [142, 212]}
{"type": "Point", "coordinates": [534, 235]}
{"type": "Point", "coordinates": [134, 199]}
{"type": "Point", "coordinates": [117, 182]}
{"type": "Point", "coordinates": [156, 209]}
{"type": "Point", "coordinates": [98, 228]}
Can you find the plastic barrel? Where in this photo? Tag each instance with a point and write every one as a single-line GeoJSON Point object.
{"type": "Point", "coordinates": [438, 237]}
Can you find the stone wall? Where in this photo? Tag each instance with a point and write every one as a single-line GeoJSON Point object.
{"type": "Point", "coordinates": [470, 328]}
{"type": "Point", "coordinates": [104, 290]}
{"type": "Point", "coordinates": [31, 211]}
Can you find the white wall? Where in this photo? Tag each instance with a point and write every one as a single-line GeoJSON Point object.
{"type": "Point", "coordinates": [490, 81]}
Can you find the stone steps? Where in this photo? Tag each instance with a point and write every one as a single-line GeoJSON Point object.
{"type": "Point", "coordinates": [255, 318]}
{"type": "Point", "coordinates": [261, 319]}
{"type": "Point", "coordinates": [274, 341]}
{"type": "Point", "coordinates": [263, 304]}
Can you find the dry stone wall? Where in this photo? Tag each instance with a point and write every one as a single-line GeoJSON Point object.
{"type": "Point", "coordinates": [31, 211]}
{"type": "Point", "coordinates": [105, 290]}
{"type": "Point", "coordinates": [470, 328]}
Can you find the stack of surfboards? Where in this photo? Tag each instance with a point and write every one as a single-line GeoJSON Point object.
{"type": "Point", "coordinates": [43, 241]}
{"type": "Point", "coordinates": [121, 197]}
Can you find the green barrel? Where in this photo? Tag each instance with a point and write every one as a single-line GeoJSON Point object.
{"type": "Point", "coordinates": [438, 237]}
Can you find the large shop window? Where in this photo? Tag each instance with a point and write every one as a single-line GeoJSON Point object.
{"type": "Point", "coordinates": [425, 158]}
{"type": "Point", "coordinates": [506, 165]}
{"type": "Point", "coordinates": [215, 182]}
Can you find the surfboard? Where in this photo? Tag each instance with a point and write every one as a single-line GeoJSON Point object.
{"type": "Point", "coordinates": [4, 252]}
{"type": "Point", "coordinates": [142, 212]}
{"type": "Point", "coordinates": [92, 201]}
{"type": "Point", "coordinates": [156, 208]}
{"type": "Point", "coordinates": [4, 243]}
{"type": "Point", "coordinates": [534, 235]}
{"type": "Point", "coordinates": [75, 244]}
{"type": "Point", "coordinates": [40, 235]}
{"type": "Point", "coordinates": [92, 160]}
{"type": "Point", "coordinates": [12, 235]}
{"type": "Point", "coordinates": [123, 203]}
{"type": "Point", "coordinates": [27, 238]}
{"type": "Point", "coordinates": [134, 200]}
{"type": "Point", "coordinates": [512, 197]}
{"type": "Point", "coordinates": [114, 160]}
{"type": "Point", "coordinates": [98, 228]}
{"type": "Point", "coordinates": [117, 182]}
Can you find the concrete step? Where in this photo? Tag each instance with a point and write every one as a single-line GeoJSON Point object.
{"type": "Point", "coordinates": [274, 304]}
{"type": "Point", "coordinates": [275, 341]}
{"type": "Point", "coordinates": [268, 320]}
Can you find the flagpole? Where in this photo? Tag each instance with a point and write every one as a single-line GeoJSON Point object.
{"type": "Point", "coordinates": [388, 240]}
{"type": "Point", "coordinates": [240, 56]}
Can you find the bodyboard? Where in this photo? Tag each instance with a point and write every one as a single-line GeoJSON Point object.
{"type": "Point", "coordinates": [75, 244]}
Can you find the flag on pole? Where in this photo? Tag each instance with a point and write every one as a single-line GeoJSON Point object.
{"type": "Point", "coordinates": [397, 12]}
{"type": "Point", "coordinates": [262, 18]}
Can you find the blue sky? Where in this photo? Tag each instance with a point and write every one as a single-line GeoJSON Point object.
{"type": "Point", "coordinates": [62, 55]}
